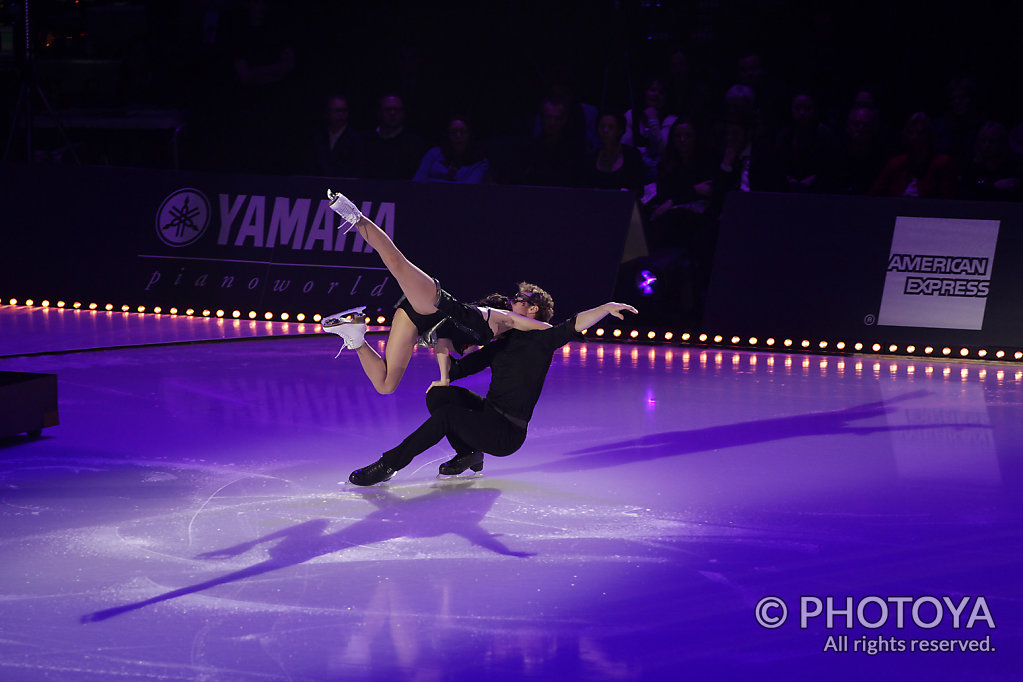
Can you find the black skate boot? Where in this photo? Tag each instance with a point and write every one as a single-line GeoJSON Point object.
{"type": "Point", "coordinates": [377, 472]}
{"type": "Point", "coordinates": [459, 463]}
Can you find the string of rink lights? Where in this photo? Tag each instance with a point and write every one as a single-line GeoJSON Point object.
{"type": "Point", "coordinates": [616, 334]}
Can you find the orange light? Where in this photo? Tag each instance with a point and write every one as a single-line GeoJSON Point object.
{"type": "Point", "coordinates": [268, 316]}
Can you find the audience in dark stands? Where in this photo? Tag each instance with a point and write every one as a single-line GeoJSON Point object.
{"type": "Point", "coordinates": [249, 68]}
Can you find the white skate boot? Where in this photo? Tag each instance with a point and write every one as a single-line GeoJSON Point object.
{"type": "Point", "coordinates": [349, 325]}
{"type": "Point", "coordinates": [342, 205]}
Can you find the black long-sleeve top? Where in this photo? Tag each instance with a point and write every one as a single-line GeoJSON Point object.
{"type": "Point", "coordinates": [518, 362]}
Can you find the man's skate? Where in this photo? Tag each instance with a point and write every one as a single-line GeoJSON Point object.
{"type": "Point", "coordinates": [459, 463]}
{"type": "Point", "coordinates": [342, 205]}
{"type": "Point", "coordinates": [349, 325]}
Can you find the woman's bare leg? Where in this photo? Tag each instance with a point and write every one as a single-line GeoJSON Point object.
{"type": "Point", "coordinates": [418, 287]}
{"type": "Point", "coordinates": [385, 372]}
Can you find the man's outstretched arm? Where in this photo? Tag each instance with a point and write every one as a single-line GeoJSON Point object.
{"type": "Point", "coordinates": [588, 318]}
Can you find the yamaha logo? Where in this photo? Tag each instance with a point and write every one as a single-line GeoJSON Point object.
{"type": "Point", "coordinates": [183, 217]}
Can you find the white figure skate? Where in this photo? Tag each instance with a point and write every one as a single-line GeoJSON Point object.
{"type": "Point", "coordinates": [342, 205]}
{"type": "Point", "coordinates": [349, 325]}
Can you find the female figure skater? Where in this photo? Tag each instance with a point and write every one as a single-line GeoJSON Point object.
{"type": "Point", "coordinates": [425, 306]}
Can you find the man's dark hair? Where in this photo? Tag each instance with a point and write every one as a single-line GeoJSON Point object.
{"type": "Point", "coordinates": [540, 298]}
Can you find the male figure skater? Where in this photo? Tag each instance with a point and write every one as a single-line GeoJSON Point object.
{"type": "Point", "coordinates": [497, 424]}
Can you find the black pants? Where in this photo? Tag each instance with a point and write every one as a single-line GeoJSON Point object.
{"type": "Point", "coordinates": [469, 422]}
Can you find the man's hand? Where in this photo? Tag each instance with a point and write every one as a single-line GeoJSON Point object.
{"type": "Point", "coordinates": [617, 308]}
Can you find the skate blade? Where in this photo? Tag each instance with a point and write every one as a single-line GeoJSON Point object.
{"type": "Point", "coordinates": [352, 315]}
{"type": "Point", "coordinates": [468, 473]}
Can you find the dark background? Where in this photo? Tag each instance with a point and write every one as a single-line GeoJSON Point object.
{"type": "Point", "coordinates": [494, 60]}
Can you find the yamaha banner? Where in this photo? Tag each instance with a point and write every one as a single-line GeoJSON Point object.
{"type": "Point", "coordinates": [267, 243]}
{"type": "Point", "coordinates": [890, 270]}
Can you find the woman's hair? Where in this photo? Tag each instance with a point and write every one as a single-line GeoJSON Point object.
{"type": "Point", "coordinates": [498, 301]}
{"type": "Point", "coordinates": [540, 298]}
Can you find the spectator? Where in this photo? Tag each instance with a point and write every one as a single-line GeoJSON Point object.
{"type": "Point", "coordinates": [955, 131]}
{"type": "Point", "coordinates": [554, 158]}
{"type": "Point", "coordinates": [615, 165]}
{"type": "Point", "coordinates": [920, 171]}
{"type": "Point", "coordinates": [993, 174]}
{"type": "Point", "coordinates": [337, 150]}
{"type": "Point", "coordinates": [684, 177]}
{"type": "Point", "coordinates": [747, 163]}
{"type": "Point", "coordinates": [648, 130]}
{"type": "Point", "coordinates": [859, 158]}
{"type": "Point", "coordinates": [392, 151]}
{"type": "Point", "coordinates": [804, 145]}
{"type": "Point", "coordinates": [752, 72]}
{"type": "Point", "coordinates": [687, 96]}
{"type": "Point", "coordinates": [457, 159]}
{"type": "Point", "coordinates": [262, 61]}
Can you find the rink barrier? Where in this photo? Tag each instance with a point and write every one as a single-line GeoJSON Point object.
{"type": "Point", "coordinates": [257, 247]}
